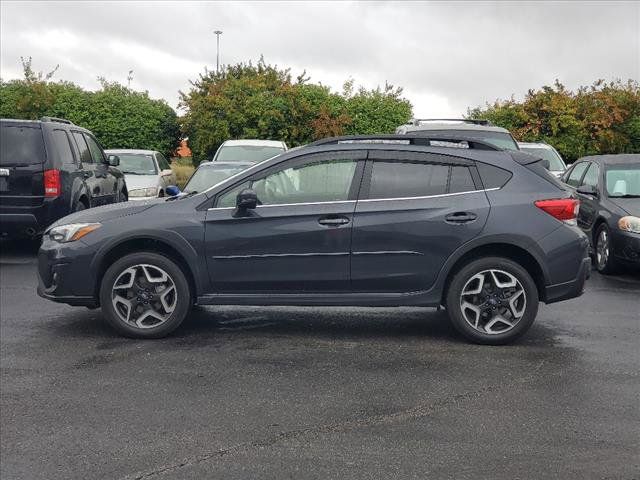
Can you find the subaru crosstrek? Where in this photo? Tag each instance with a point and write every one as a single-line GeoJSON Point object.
{"type": "Point", "coordinates": [486, 233]}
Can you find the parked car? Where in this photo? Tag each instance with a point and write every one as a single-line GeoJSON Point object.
{"type": "Point", "coordinates": [608, 187]}
{"type": "Point", "coordinates": [48, 169]}
{"type": "Point", "coordinates": [547, 152]}
{"type": "Point", "coordinates": [209, 174]}
{"type": "Point", "coordinates": [487, 233]}
{"type": "Point", "coordinates": [482, 130]}
{"type": "Point", "coordinates": [147, 172]}
{"type": "Point", "coordinates": [248, 150]}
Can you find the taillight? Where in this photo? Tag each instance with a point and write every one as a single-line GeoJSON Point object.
{"type": "Point", "coordinates": [52, 186]}
{"type": "Point", "coordinates": [564, 209]}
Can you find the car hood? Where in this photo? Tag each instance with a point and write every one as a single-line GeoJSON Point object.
{"type": "Point", "coordinates": [629, 205]}
{"type": "Point", "coordinates": [140, 181]}
{"type": "Point", "coordinates": [108, 212]}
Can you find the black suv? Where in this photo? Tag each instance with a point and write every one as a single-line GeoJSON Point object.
{"type": "Point", "coordinates": [48, 169]}
{"type": "Point", "coordinates": [348, 221]}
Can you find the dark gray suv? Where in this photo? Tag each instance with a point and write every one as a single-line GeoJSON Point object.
{"type": "Point", "coordinates": [349, 221]}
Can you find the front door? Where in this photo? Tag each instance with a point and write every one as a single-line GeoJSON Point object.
{"type": "Point", "coordinates": [298, 238]}
{"type": "Point", "coordinates": [414, 211]}
{"type": "Point", "coordinates": [91, 177]}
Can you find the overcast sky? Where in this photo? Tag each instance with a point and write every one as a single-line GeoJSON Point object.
{"type": "Point", "coordinates": [446, 56]}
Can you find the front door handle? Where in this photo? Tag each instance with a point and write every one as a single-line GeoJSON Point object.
{"type": "Point", "coordinates": [460, 217]}
{"type": "Point", "coordinates": [333, 220]}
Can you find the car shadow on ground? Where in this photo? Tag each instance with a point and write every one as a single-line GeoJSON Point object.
{"type": "Point", "coordinates": [214, 325]}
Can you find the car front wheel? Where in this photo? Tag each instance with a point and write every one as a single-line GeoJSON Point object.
{"type": "Point", "coordinates": [145, 295]}
{"type": "Point", "coordinates": [492, 301]}
{"type": "Point", "coordinates": [605, 262]}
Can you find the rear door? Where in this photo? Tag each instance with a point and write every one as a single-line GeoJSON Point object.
{"type": "Point", "coordinates": [108, 182]}
{"type": "Point", "coordinates": [414, 211]}
{"type": "Point", "coordinates": [22, 164]}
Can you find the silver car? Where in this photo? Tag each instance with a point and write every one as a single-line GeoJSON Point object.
{"type": "Point", "coordinates": [547, 152]}
{"type": "Point", "coordinates": [147, 172]}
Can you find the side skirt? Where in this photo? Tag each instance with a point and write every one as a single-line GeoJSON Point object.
{"type": "Point", "coordinates": [416, 299]}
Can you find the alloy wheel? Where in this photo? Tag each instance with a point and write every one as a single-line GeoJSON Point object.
{"type": "Point", "coordinates": [144, 296]}
{"type": "Point", "coordinates": [493, 301]}
{"type": "Point", "coordinates": [602, 249]}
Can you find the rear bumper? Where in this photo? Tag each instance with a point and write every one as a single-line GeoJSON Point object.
{"type": "Point", "coordinates": [30, 220]}
{"type": "Point", "coordinates": [571, 289]}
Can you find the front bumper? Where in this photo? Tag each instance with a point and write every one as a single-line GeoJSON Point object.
{"type": "Point", "coordinates": [571, 289]}
{"type": "Point", "coordinates": [64, 273]}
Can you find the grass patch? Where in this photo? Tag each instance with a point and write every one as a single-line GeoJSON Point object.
{"type": "Point", "coordinates": [183, 171]}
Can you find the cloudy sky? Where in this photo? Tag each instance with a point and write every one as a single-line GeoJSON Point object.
{"type": "Point", "coordinates": [447, 56]}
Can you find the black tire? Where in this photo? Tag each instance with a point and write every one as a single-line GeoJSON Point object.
{"type": "Point", "coordinates": [604, 260]}
{"type": "Point", "coordinates": [183, 296]}
{"type": "Point", "coordinates": [465, 274]}
{"type": "Point", "coordinates": [122, 196]}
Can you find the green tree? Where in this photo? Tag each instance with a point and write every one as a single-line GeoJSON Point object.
{"type": "Point", "coordinates": [601, 118]}
{"type": "Point", "coordinates": [118, 116]}
{"type": "Point", "coordinates": [264, 101]}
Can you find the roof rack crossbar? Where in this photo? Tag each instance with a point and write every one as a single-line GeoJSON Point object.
{"type": "Point", "coordinates": [55, 119]}
{"type": "Point", "coordinates": [475, 121]}
{"type": "Point", "coordinates": [422, 139]}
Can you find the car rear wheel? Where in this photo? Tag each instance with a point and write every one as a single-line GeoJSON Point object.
{"type": "Point", "coordinates": [605, 262]}
{"type": "Point", "coordinates": [145, 295]}
{"type": "Point", "coordinates": [492, 301]}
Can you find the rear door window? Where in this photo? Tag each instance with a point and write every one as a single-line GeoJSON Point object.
{"type": "Point", "coordinates": [461, 180]}
{"type": "Point", "coordinates": [83, 148]}
{"type": "Point", "coordinates": [63, 147]}
{"type": "Point", "coordinates": [406, 179]}
{"type": "Point", "coordinates": [21, 145]}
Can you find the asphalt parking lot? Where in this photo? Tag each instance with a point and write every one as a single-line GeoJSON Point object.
{"type": "Point", "coordinates": [277, 393]}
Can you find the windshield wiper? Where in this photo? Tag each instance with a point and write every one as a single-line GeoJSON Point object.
{"type": "Point", "coordinates": [182, 195]}
{"type": "Point", "coordinates": [626, 195]}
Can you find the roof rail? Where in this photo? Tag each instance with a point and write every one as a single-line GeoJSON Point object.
{"type": "Point", "coordinates": [426, 140]}
{"type": "Point", "coordinates": [476, 121]}
{"type": "Point", "coordinates": [55, 119]}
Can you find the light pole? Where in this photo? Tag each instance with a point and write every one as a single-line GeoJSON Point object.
{"type": "Point", "coordinates": [218, 33]}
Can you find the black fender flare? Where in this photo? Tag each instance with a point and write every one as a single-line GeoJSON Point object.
{"type": "Point", "coordinates": [168, 237]}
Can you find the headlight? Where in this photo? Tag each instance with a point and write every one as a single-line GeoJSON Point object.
{"type": "Point", "coordinates": [144, 192]}
{"type": "Point", "coordinates": [629, 224]}
{"type": "Point", "coordinates": [72, 231]}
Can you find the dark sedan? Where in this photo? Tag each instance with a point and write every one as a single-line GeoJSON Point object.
{"type": "Point", "coordinates": [609, 190]}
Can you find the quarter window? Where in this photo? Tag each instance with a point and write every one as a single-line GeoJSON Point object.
{"type": "Point", "coordinates": [63, 147]}
{"type": "Point", "coordinates": [576, 174]}
{"type": "Point", "coordinates": [407, 179]}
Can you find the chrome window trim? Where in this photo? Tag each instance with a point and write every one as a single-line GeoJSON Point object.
{"type": "Point", "coordinates": [428, 196]}
{"type": "Point", "coordinates": [368, 199]}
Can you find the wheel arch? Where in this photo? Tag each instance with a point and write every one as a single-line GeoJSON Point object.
{"type": "Point", "coordinates": [512, 251]}
{"type": "Point", "coordinates": [183, 255]}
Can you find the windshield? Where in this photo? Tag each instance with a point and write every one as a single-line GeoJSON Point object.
{"type": "Point", "coordinates": [206, 177]}
{"type": "Point", "coordinates": [137, 164]}
{"type": "Point", "coordinates": [623, 180]}
{"type": "Point", "coordinates": [498, 139]}
{"type": "Point", "coordinates": [21, 145]}
{"type": "Point", "coordinates": [246, 153]}
{"type": "Point", "coordinates": [555, 161]}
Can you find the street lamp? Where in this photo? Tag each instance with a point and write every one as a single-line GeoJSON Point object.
{"type": "Point", "coordinates": [218, 33]}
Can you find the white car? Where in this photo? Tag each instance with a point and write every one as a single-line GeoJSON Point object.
{"type": "Point", "coordinates": [147, 173]}
{"type": "Point", "coordinates": [547, 152]}
{"type": "Point", "coordinates": [248, 150]}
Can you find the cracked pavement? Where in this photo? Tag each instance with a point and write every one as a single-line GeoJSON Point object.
{"type": "Point", "coordinates": [273, 393]}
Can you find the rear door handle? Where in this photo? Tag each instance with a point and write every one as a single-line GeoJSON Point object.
{"type": "Point", "coordinates": [460, 217]}
{"type": "Point", "coordinates": [333, 220]}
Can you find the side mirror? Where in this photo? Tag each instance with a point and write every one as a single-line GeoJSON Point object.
{"type": "Point", "coordinates": [588, 190]}
{"type": "Point", "coordinates": [113, 160]}
{"type": "Point", "coordinates": [172, 190]}
{"type": "Point", "coordinates": [247, 200]}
